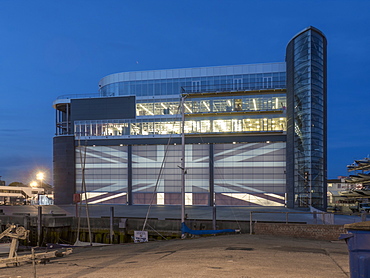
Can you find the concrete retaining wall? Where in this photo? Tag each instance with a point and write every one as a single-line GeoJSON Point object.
{"type": "Point", "coordinates": [320, 232]}
{"type": "Point", "coordinates": [63, 229]}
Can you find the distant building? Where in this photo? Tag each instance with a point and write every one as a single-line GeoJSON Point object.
{"type": "Point", "coordinates": [335, 186]}
{"type": "Point", "coordinates": [255, 134]}
{"type": "Point", "coordinates": [17, 195]}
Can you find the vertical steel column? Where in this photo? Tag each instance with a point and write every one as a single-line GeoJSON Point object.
{"type": "Point", "coordinates": [111, 223]}
{"type": "Point", "coordinates": [212, 194]}
{"type": "Point", "coordinates": [67, 117]}
{"type": "Point", "coordinates": [129, 175]}
{"type": "Point", "coordinates": [183, 159]}
{"type": "Point", "coordinates": [211, 176]}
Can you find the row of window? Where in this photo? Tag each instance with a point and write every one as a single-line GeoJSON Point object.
{"type": "Point", "coordinates": [215, 105]}
{"type": "Point", "coordinates": [196, 84]}
{"type": "Point", "coordinates": [194, 126]}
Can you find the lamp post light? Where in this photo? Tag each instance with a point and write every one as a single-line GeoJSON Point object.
{"type": "Point", "coordinates": [40, 176]}
{"type": "Point", "coordinates": [34, 184]}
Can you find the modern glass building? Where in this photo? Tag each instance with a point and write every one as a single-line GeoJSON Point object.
{"type": "Point", "coordinates": [255, 134]}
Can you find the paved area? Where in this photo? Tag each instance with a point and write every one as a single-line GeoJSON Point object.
{"type": "Point", "coordinates": [244, 256]}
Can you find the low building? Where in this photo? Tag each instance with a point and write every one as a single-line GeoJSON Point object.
{"type": "Point", "coordinates": [17, 195]}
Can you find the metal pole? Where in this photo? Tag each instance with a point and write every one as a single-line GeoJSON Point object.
{"type": "Point", "coordinates": [214, 212]}
{"type": "Point", "coordinates": [86, 200]}
{"type": "Point", "coordinates": [111, 224]}
{"type": "Point", "coordinates": [33, 262]}
{"type": "Point", "coordinates": [314, 217]}
{"type": "Point", "coordinates": [250, 224]}
{"type": "Point", "coordinates": [183, 160]}
{"type": "Point", "coordinates": [39, 225]}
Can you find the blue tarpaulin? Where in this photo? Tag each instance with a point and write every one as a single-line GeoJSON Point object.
{"type": "Point", "coordinates": [186, 229]}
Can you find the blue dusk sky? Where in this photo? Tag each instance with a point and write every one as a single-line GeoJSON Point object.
{"type": "Point", "coordinates": [53, 48]}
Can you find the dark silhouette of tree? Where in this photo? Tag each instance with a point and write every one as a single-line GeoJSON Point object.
{"type": "Point", "coordinates": [16, 183]}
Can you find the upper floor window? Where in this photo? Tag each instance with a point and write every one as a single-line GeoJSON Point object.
{"type": "Point", "coordinates": [267, 82]}
{"type": "Point", "coordinates": [195, 86]}
{"type": "Point", "coordinates": [237, 84]}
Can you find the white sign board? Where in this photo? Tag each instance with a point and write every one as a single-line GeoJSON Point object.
{"type": "Point", "coordinates": [140, 236]}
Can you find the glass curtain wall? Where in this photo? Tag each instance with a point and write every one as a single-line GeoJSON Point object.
{"type": "Point", "coordinates": [172, 86]}
{"type": "Point", "coordinates": [250, 174]}
{"type": "Point", "coordinates": [147, 161]}
{"type": "Point", "coordinates": [105, 173]}
{"type": "Point", "coordinates": [308, 85]}
{"type": "Point", "coordinates": [247, 174]}
{"type": "Point", "coordinates": [144, 128]}
{"type": "Point", "coordinates": [213, 105]}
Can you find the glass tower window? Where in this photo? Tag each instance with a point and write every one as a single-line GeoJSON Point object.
{"type": "Point", "coordinates": [307, 89]}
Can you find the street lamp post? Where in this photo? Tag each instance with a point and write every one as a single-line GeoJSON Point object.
{"type": "Point", "coordinates": [40, 177]}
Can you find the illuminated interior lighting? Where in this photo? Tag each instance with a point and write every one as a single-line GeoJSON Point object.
{"type": "Point", "coordinates": [281, 119]}
{"type": "Point", "coordinates": [258, 126]}
{"type": "Point", "coordinates": [277, 103]}
{"type": "Point", "coordinates": [146, 109]}
{"type": "Point", "coordinates": [164, 106]}
{"type": "Point", "coordinates": [265, 119]}
{"type": "Point", "coordinates": [250, 125]}
{"type": "Point", "coordinates": [187, 107]}
{"type": "Point", "coordinates": [228, 102]}
{"type": "Point", "coordinates": [273, 121]}
{"type": "Point", "coordinates": [254, 104]}
{"type": "Point", "coordinates": [206, 105]}
{"type": "Point", "coordinates": [221, 125]}
{"type": "Point", "coordinates": [248, 120]}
